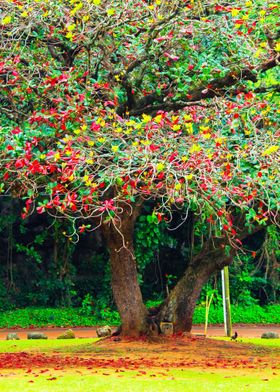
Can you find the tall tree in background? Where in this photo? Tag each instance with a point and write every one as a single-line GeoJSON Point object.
{"type": "Point", "coordinates": [107, 104]}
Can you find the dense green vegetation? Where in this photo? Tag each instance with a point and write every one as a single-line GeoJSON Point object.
{"type": "Point", "coordinates": [63, 317]}
{"type": "Point", "coordinates": [41, 267]}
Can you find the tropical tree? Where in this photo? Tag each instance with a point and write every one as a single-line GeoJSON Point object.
{"type": "Point", "coordinates": [106, 104]}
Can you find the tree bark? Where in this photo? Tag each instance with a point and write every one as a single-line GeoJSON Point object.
{"type": "Point", "coordinates": [126, 289]}
{"type": "Point", "coordinates": [180, 304]}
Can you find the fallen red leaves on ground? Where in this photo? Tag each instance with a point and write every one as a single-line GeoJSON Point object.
{"type": "Point", "coordinates": [140, 356]}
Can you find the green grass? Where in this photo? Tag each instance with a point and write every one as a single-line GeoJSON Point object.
{"type": "Point", "coordinates": [44, 345]}
{"type": "Point", "coordinates": [175, 380]}
{"type": "Point", "coordinates": [255, 341]}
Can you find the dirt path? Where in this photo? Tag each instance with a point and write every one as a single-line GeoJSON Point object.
{"type": "Point", "coordinates": [249, 331]}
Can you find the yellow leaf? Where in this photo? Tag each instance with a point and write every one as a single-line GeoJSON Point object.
{"type": "Point", "coordinates": [195, 148]}
{"type": "Point", "coordinates": [178, 186]}
{"type": "Point", "coordinates": [270, 150]}
{"type": "Point", "coordinates": [160, 167]}
{"type": "Point", "coordinates": [189, 127]}
{"type": "Point", "coordinates": [130, 123]}
{"type": "Point", "coordinates": [158, 118]}
{"type": "Point", "coordinates": [220, 140]}
{"type": "Point", "coordinates": [6, 20]}
{"type": "Point", "coordinates": [234, 12]}
{"type": "Point", "coordinates": [146, 118]}
{"type": "Point", "coordinates": [71, 27]}
{"type": "Point", "coordinates": [176, 127]}
{"type": "Point", "coordinates": [111, 11]}
{"type": "Point", "coordinates": [69, 35]}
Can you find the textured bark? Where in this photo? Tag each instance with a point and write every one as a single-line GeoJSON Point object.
{"type": "Point", "coordinates": [180, 304]}
{"type": "Point", "coordinates": [126, 289]}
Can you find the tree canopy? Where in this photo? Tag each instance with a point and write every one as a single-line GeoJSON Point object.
{"type": "Point", "coordinates": [104, 102]}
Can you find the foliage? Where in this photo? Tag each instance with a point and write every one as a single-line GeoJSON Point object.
{"type": "Point", "coordinates": [87, 305]}
{"type": "Point", "coordinates": [245, 282]}
{"type": "Point", "coordinates": [88, 274]}
{"type": "Point", "coordinates": [42, 317]}
{"type": "Point", "coordinates": [150, 236]}
{"type": "Point", "coordinates": [253, 314]}
{"type": "Point", "coordinates": [63, 317]}
{"type": "Point", "coordinates": [100, 108]}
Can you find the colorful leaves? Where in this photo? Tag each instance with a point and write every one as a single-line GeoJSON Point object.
{"type": "Point", "coordinates": [270, 150]}
{"type": "Point", "coordinates": [6, 20]}
{"type": "Point", "coordinates": [194, 148]}
{"type": "Point", "coordinates": [111, 11]}
{"type": "Point", "coordinates": [103, 119]}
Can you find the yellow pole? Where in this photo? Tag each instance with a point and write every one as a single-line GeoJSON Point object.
{"type": "Point", "coordinates": [226, 302]}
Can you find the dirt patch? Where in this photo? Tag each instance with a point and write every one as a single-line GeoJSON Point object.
{"type": "Point", "coordinates": [181, 352]}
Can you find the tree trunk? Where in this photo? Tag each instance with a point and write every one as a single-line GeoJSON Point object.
{"type": "Point", "coordinates": [180, 304]}
{"type": "Point", "coordinates": [126, 289]}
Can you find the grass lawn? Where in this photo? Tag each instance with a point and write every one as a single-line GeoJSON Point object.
{"type": "Point", "coordinates": [49, 345]}
{"type": "Point", "coordinates": [255, 341]}
{"type": "Point", "coordinates": [80, 380]}
{"type": "Point", "coordinates": [159, 377]}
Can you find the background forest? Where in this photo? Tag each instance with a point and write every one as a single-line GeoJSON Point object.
{"type": "Point", "coordinates": [42, 267]}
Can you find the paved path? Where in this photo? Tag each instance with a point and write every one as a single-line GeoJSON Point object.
{"type": "Point", "coordinates": [250, 331]}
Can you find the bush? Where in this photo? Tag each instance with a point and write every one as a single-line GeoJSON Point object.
{"type": "Point", "coordinates": [253, 314]}
{"type": "Point", "coordinates": [74, 317]}
{"type": "Point", "coordinates": [64, 317]}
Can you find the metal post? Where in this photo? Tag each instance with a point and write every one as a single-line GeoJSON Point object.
{"type": "Point", "coordinates": [226, 302]}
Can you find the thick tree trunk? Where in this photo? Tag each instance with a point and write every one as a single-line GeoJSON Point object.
{"type": "Point", "coordinates": [180, 304]}
{"type": "Point", "coordinates": [126, 289]}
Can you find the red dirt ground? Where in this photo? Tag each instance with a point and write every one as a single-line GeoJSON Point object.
{"type": "Point", "coordinates": [169, 353]}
